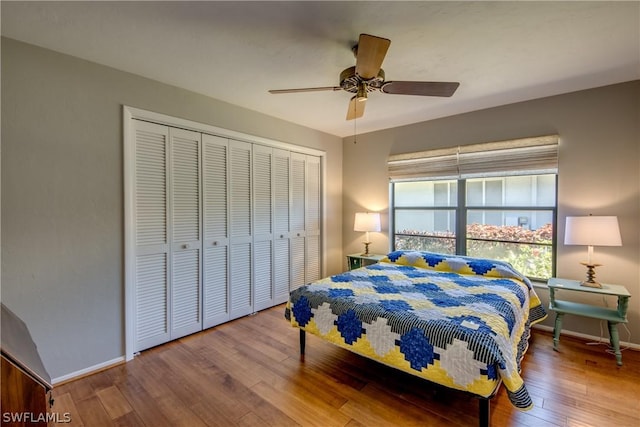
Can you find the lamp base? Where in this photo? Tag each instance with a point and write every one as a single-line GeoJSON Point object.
{"type": "Point", "coordinates": [366, 249]}
{"type": "Point", "coordinates": [591, 275]}
{"type": "Point", "coordinates": [591, 284]}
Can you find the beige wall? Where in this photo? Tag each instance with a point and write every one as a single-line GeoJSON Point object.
{"type": "Point", "coordinates": [62, 194]}
{"type": "Point", "coordinates": [598, 173]}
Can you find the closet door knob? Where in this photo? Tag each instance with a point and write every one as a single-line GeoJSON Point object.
{"type": "Point", "coordinates": [215, 243]}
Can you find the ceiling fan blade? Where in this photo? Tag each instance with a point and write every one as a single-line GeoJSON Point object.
{"type": "Point", "coordinates": [445, 89]}
{"type": "Point", "coordinates": [356, 108]}
{"type": "Point", "coordinates": [370, 54]}
{"type": "Point", "coordinates": [305, 89]}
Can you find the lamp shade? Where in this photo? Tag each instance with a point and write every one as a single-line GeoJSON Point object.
{"type": "Point", "coordinates": [592, 231]}
{"type": "Point", "coordinates": [367, 221]}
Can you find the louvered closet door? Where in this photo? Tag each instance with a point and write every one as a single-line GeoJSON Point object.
{"type": "Point", "coordinates": [240, 273]}
{"type": "Point", "coordinates": [151, 274]}
{"type": "Point", "coordinates": [215, 191]}
{"type": "Point", "coordinates": [281, 201]}
{"type": "Point", "coordinates": [298, 187]}
{"type": "Point", "coordinates": [313, 214]}
{"type": "Point", "coordinates": [186, 247]}
{"type": "Point", "coordinates": [263, 227]}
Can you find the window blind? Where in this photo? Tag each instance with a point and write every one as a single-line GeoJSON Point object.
{"type": "Point", "coordinates": [512, 157]}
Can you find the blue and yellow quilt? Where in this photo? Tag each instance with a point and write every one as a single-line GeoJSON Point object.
{"type": "Point", "coordinates": [460, 322]}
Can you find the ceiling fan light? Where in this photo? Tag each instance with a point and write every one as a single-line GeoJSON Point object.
{"type": "Point", "coordinates": [362, 93]}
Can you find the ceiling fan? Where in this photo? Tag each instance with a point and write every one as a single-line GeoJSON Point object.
{"type": "Point", "coordinates": [368, 76]}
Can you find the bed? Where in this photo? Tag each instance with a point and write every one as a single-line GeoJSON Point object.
{"type": "Point", "coordinates": [460, 322]}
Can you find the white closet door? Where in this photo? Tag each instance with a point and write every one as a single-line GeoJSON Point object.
{"type": "Point", "coordinates": [297, 262]}
{"type": "Point", "coordinates": [313, 214]}
{"type": "Point", "coordinates": [215, 200]}
{"type": "Point", "coordinates": [282, 200]}
{"type": "Point", "coordinates": [298, 184]}
{"type": "Point", "coordinates": [185, 304]}
{"type": "Point", "coordinates": [263, 277]}
{"type": "Point", "coordinates": [263, 226]}
{"type": "Point", "coordinates": [297, 242]}
{"type": "Point", "coordinates": [240, 238]}
{"type": "Point", "coordinates": [150, 214]}
{"type": "Point", "coordinates": [215, 228]}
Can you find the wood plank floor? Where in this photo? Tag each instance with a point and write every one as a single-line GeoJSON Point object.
{"type": "Point", "coordinates": [248, 373]}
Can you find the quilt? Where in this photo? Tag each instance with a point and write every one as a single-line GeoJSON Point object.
{"type": "Point", "coordinates": [460, 322]}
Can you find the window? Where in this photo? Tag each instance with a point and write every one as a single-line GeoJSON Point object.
{"type": "Point", "coordinates": [509, 218]}
{"type": "Point", "coordinates": [505, 215]}
{"type": "Point", "coordinates": [423, 218]}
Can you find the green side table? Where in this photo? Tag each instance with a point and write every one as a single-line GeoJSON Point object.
{"type": "Point", "coordinates": [611, 315]}
{"type": "Point", "coordinates": [359, 260]}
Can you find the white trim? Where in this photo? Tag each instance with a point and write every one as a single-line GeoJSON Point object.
{"type": "Point", "coordinates": [129, 242]}
{"type": "Point", "coordinates": [325, 217]}
{"type": "Point", "coordinates": [87, 371]}
{"type": "Point", "coordinates": [151, 116]}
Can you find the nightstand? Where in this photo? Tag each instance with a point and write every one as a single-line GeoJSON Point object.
{"type": "Point", "coordinates": [359, 260]}
{"type": "Point", "coordinates": [613, 316]}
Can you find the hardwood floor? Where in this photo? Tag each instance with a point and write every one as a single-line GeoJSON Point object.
{"type": "Point", "coordinates": [248, 373]}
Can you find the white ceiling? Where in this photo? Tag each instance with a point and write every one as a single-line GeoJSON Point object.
{"type": "Point", "coordinates": [500, 52]}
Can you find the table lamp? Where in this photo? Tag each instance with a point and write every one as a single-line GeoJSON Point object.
{"type": "Point", "coordinates": [367, 221]}
{"type": "Point", "coordinates": [592, 231]}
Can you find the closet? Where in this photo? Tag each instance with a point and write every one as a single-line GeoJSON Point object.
{"type": "Point", "coordinates": [216, 228]}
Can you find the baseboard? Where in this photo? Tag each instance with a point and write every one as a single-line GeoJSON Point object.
{"type": "Point", "coordinates": [87, 371]}
{"type": "Point", "coordinates": [586, 337]}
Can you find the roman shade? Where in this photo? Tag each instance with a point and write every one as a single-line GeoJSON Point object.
{"type": "Point", "coordinates": [534, 155]}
